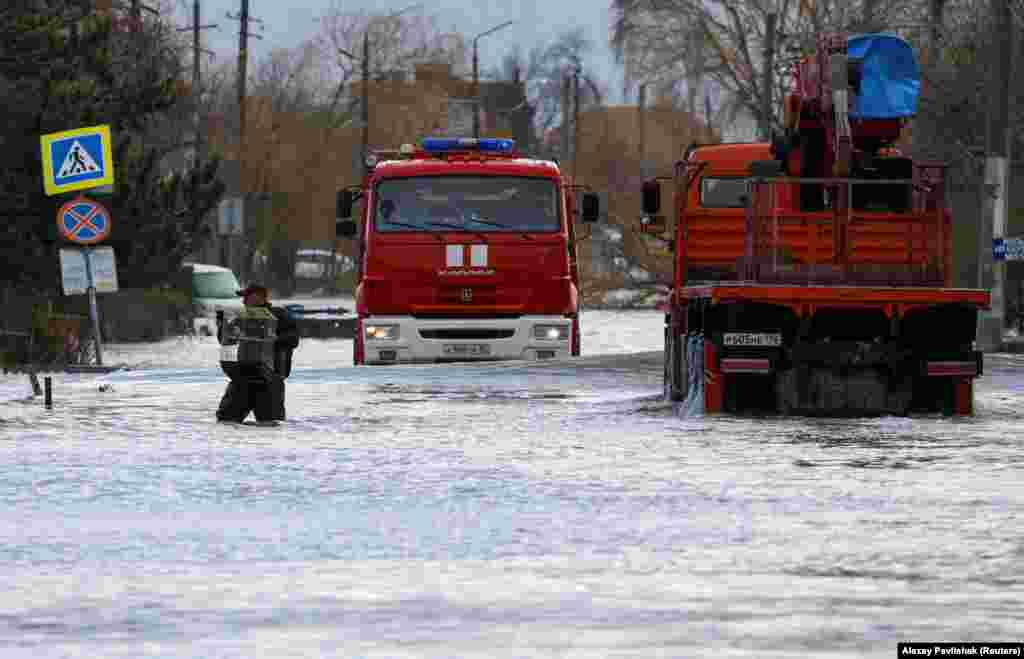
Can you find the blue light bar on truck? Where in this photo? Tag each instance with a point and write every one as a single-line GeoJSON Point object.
{"type": "Point", "coordinates": [484, 145]}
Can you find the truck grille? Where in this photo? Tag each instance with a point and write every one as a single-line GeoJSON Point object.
{"type": "Point", "coordinates": [467, 333]}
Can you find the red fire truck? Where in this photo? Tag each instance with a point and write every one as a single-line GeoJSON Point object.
{"type": "Point", "coordinates": [467, 252]}
{"type": "Point", "coordinates": [813, 274]}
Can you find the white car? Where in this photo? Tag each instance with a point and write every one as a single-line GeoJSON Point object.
{"type": "Point", "coordinates": [313, 263]}
{"type": "Point", "coordinates": [212, 288]}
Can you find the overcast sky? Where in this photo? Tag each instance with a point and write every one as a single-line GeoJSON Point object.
{"type": "Point", "coordinates": [287, 23]}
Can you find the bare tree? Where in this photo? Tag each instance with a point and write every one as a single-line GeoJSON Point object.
{"type": "Point", "coordinates": [726, 44]}
{"type": "Point", "coordinates": [543, 70]}
{"type": "Point", "coordinates": [396, 44]}
{"type": "Point", "coordinates": [301, 102]}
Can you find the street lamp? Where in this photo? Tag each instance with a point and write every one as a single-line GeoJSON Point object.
{"type": "Point", "coordinates": [476, 76]}
{"type": "Point", "coordinates": [365, 61]}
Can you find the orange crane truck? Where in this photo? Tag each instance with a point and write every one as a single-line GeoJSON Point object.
{"type": "Point", "coordinates": [813, 273]}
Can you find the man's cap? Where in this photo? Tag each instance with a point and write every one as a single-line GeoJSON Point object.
{"type": "Point", "coordinates": [253, 288]}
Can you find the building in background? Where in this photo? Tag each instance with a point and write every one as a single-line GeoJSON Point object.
{"type": "Point", "coordinates": [300, 162]}
{"type": "Point", "coordinates": [619, 147]}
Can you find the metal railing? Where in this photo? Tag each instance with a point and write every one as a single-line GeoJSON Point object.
{"type": "Point", "coordinates": [842, 244]}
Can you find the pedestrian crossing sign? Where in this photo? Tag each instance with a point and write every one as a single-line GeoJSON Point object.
{"type": "Point", "coordinates": [77, 159]}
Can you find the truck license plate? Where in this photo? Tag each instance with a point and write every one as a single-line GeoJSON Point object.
{"type": "Point", "coordinates": [229, 353]}
{"type": "Point", "coordinates": [467, 349]}
{"type": "Point", "coordinates": [742, 339]}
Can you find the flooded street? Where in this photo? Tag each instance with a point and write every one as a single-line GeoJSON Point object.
{"type": "Point", "coordinates": [495, 510]}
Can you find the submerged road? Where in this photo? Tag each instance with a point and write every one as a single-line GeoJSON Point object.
{"type": "Point", "coordinates": [496, 510]}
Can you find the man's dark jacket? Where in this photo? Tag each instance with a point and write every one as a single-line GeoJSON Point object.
{"type": "Point", "coordinates": [287, 340]}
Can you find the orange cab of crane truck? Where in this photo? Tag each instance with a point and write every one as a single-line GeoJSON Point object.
{"type": "Point", "coordinates": [466, 251]}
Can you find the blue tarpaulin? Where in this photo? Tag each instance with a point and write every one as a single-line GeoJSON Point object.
{"type": "Point", "coordinates": [891, 81]}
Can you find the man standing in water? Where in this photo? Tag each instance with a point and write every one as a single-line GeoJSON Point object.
{"type": "Point", "coordinates": [260, 392]}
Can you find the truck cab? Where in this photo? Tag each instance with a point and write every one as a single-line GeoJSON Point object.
{"type": "Point", "coordinates": [466, 252]}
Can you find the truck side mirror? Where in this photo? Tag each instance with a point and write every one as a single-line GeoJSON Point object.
{"type": "Point", "coordinates": [591, 207]}
{"type": "Point", "coordinates": [345, 228]}
{"type": "Point", "coordinates": [344, 205]}
{"type": "Point", "coordinates": [651, 197]}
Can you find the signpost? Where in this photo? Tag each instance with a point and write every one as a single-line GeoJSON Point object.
{"type": "Point", "coordinates": [89, 270]}
{"type": "Point", "coordinates": [231, 216]}
{"type": "Point", "coordinates": [75, 160]}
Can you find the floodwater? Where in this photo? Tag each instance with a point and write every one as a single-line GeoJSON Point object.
{"type": "Point", "coordinates": [496, 510]}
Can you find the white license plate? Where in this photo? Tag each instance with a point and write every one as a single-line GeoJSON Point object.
{"type": "Point", "coordinates": [742, 339]}
{"type": "Point", "coordinates": [229, 353]}
{"type": "Point", "coordinates": [475, 349]}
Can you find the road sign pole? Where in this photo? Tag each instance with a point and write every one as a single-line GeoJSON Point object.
{"type": "Point", "coordinates": [94, 313]}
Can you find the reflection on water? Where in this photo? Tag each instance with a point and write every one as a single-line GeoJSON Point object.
{"type": "Point", "coordinates": [495, 511]}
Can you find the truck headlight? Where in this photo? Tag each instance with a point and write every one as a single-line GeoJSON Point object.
{"type": "Point", "coordinates": [551, 332]}
{"type": "Point", "coordinates": [382, 332]}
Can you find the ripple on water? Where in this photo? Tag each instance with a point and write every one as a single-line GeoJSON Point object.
{"type": "Point", "coordinates": [496, 511]}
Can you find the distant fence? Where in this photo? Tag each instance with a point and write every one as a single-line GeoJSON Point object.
{"type": "Point", "coordinates": [126, 316]}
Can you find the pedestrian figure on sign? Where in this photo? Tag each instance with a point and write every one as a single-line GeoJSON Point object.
{"type": "Point", "coordinates": [78, 165]}
{"type": "Point", "coordinates": [257, 356]}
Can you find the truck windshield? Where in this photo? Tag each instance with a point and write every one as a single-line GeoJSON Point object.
{"type": "Point", "coordinates": [467, 203]}
{"type": "Point", "coordinates": [722, 192]}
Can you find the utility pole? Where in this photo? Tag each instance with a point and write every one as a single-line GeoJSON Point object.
{"type": "Point", "coordinates": [641, 108]}
{"type": "Point", "coordinates": [575, 121]}
{"type": "Point", "coordinates": [707, 117]}
{"type": "Point", "coordinates": [476, 75]}
{"type": "Point", "coordinates": [243, 18]}
{"type": "Point", "coordinates": [992, 323]}
{"type": "Point", "coordinates": [476, 92]}
{"type": "Point", "coordinates": [243, 63]}
{"type": "Point", "coordinates": [563, 136]}
{"type": "Point", "coordinates": [365, 66]}
{"type": "Point", "coordinates": [870, 16]}
{"type": "Point", "coordinates": [196, 79]}
{"type": "Point", "coordinates": [768, 75]}
{"type": "Point", "coordinates": [365, 112]}
{"type": "Point", "coordinates": [195, 157]}
{"type": "Point", "coordinates": [196, 29]}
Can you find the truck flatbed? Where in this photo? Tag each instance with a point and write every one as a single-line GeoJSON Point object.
{"type": "Point", "coordinates": [789, 294]}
